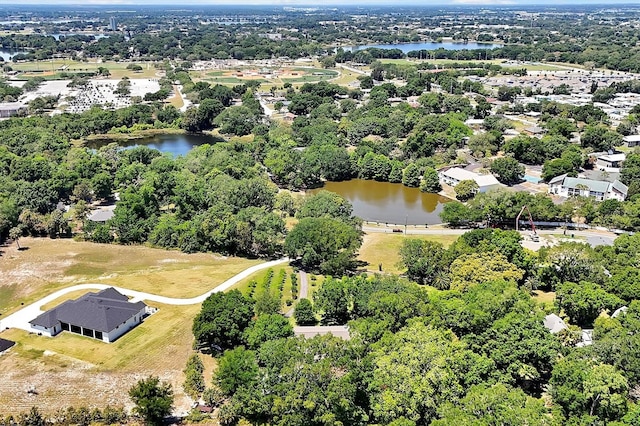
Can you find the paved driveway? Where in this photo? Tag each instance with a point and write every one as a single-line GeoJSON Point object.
{"type": "Point", "coordinates": [21, 318]}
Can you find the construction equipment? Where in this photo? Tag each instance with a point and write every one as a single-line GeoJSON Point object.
{"type": "Point", "coordinates": [534, 234]}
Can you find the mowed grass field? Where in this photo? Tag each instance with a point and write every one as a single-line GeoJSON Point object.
{"type": "Point", "coordinates": [117, 69]}
{"type": "Point", "coordinates": [384, 248]}
{"type": "Point", "coordinates": [48, 265]}
{"type": "Point", "coordinates": [74, 370]}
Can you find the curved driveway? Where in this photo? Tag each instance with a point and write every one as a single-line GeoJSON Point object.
{"type": "Point", "coordinates": [21, 318]}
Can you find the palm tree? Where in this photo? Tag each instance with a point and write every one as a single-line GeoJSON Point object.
{"type": "Point", "coordinates": [15, 233]}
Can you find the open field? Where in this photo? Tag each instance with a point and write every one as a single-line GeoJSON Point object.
{"type": "Point", "coordinates": [117, 69]}
{"type": "Point", "coordinates": [52, 264]}
{"type": "Point", "coordinates": [380, 248]}
{"type": "Point", "coordinates": [74, 370]}
{"type": "Point", "coordinates": [267, 77]}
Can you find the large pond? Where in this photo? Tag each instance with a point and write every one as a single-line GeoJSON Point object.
{"type": "Point", "coordinates": [408, 47]}
{"type": "Point", "coordinates": [175, 144]}
{"type": "Point", "coordinates": [389, 202]}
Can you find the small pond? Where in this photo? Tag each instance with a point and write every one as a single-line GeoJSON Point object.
{"type": "Point", "coordinates": [389, 202]}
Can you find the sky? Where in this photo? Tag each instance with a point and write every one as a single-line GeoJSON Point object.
{"type": "Point", "coordinates": [315, 3]}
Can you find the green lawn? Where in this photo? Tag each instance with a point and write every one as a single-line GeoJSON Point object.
{"type": "Point", "coordinates": [384, 248]}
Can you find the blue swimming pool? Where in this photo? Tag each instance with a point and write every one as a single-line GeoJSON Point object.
{"type": "Point", "coordinates": [532, 179]}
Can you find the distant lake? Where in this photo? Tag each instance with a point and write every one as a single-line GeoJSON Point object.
{"type": "Point", "coordinates": [7, 54]}
{"type": "Point", "coordinates": [389, 202]}
{"type": "Point", "coordinates": [95, 36]}
{"type": "Point", "coordinates": [408, 47]}
{"type": "Point", "coordinates": [175, 144]}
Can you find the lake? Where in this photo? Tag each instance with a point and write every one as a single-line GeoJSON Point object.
{"type": "Point", "coordinates": [7, 54]}
{"type": "Point", "coordinates": [175, 144]}
{"type": "Point", "coordinates": [389, 202]}
{"type": "Point", "coordinates": [408, 47]}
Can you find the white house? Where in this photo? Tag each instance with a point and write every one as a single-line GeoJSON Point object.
{"type": "Point", "coordinates": [632, 140]}
{"type": "Point", "coordinates": [105, 316]}
{"type": "Point", "coordinates": [455, 175]}
{"type": "Point", "coordinates": [566, 186]}
{"type": "Point", "coordinates": [610, 162]}
{"type": "Point", "coordinates": [554, 323]}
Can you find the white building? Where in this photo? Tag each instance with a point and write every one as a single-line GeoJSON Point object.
{"type": "Point", "coordinates": [610, 162]}
{"type": "Point", "coordinates": [455, 175]}
{"type": "Point", "coordinates": [632, 140]}
{"type": "Point", "coordinates": [566, 186]}
{"type": "Point", "coordinates": [105, 316]}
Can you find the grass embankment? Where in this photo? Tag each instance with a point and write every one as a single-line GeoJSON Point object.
{"type": "Point", "coordinates": [384, 248]}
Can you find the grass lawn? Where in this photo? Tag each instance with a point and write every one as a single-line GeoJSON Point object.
{"type": "Point", "coordinates": [117, 69]}
{"type": "Point", "coordinates": [76, 370]}
{"type": "Point", "coordinates": [162, 341]}
{"type": "Point", "coordinates": [544, 297]}
{"type": "Point", "coordinates": [384, 248]}
{"type": "Point", "coordinates": [48, 265]}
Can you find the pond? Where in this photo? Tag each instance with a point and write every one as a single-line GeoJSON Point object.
{"type": "Point", "coordinates": [6, 55]}
{"type": "Point", "coordinates": [175, 144]}
{"type": "Point", "coordinates": [408, 47]}
{"type": "Point", "coordinates": [389, 202]}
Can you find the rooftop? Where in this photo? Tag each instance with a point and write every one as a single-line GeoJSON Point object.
{"type": "Point", "coordinates": [308, 332]}
{"type": "Point", "coordinates": [102, 311]}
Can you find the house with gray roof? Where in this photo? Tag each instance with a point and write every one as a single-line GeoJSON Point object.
{"type": "Point", "coordinates": [566, 186]}
{"type": "Point", "coordinates": [105, 315]}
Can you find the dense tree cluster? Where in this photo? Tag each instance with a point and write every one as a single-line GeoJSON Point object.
{"type": "Point", "coordinates": [420, 355]}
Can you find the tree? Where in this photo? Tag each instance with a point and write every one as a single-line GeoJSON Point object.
{"type": "Point", "coordinates": [507, 170]}
{"type": "Point", "coordinates": [630, 171]}
{"type": "Point", "coordinates": [430, 181]}
{"type": "Point", "coordinates": [222, 320]}
{"type": "Point", "coordinates": [466, 189]}
{"type": "Point", "coordinates": [267, 327]}
{"type": "Point", "coordinates": [585, 301]}
{"type": "Point", "coordinates": [495, 405]}
{"type": "Point", "coordinates": [424, 261]}
{"type": "Point", "coordinates": [475, 268]}
{"type": "Point", "coordinates": [326, 204]}
{"type": "Point", "coordinates": [237, 369]}
{"type": "Point", "coordinates": [323, 244]}
{"type": "Point", "coordinates": [153, 400]}
{"type": "Point", "coordinates": [194, 381]}
{"type": "Point", "coordinates": [418, 369]}
{"type": "Point", "coordinates": [522, 348]}
{"type": "Point", "coordinates": [600, 137]}
{"type": "Point", "coordinates": [582, 387]}
{"type": "Point", "coordinates": [331, 300]}
{"type": "Point", "coordinates": [15, 233]}
{"type": "Point", "coordinates": [303, 313]}
{"type": "Point", "coordinates": [456, 214]}
{"type": "Point", "coordinates": [411, 176]}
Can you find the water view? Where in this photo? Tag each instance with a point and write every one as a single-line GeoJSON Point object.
{"type": "Point", "coordinates": [175, 144]}
{"type": "Point", "coordinates": [408, 47]}
{"type": "Point", "coordinates": [6, 55]}
{"type": "Point", "coordinates": [389, 202]}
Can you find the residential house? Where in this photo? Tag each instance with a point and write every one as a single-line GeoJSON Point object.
{"type": "Point", "coordinates": [105, 315]}
{"type": "Point", "coordinates": [632, 140]}
{"type": "Point", "coordinates": [610, 162]}
{"type": "Point", "coordinates": [454, 175]}
{"type": "Point", "coordinates": [566, 186]}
